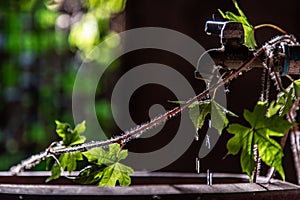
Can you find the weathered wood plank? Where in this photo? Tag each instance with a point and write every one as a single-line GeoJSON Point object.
{"type": "Point", "coordinates": [279, 185]}
{"type": "Point", "coordinates": [154, 188]}
{"type": "Point", "coordinates": [143, 190]}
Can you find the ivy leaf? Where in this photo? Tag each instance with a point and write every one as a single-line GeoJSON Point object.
{"type": "Point", "coordinates": [107, 170]}
{"type": "Point", "coordinates": [259, 132]}
{"type": "Point", "coordinates": [248, 28]}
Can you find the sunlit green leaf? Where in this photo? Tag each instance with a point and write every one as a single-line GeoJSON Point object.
{"type": "Point", "coordinates": [219, 119]}
{"type": "Point", "coordinates": [273, 109]}
{"type": "Point", "coordinates": [296, 85]}
{"type": "Point", "coordinates": [68, 161]}
{"type": "Point", "coordinates": [285, 98]}
{"type": "Point", "coordinates": [108, 170]}
{"type": "Point", "coordinates": [235, 144]}
{"type": "Point", "coordinates": [117, 5]}
{"type": "Point", "coordinates": [70, 137]}
{"type": "Point", "coordinates": [198, 114]}
{"type": "Point", "coordinates": [248, 28]}
{"type": "Point", "coordinates": [55, 172]}
{"type": "Point", "coordinates": [259, 132]}
{"type": "Point", "coordinates": [116, 172]}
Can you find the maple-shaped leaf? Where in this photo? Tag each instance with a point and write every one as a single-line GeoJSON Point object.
{"type": "Point", "coordinates": [248, 28]}
{"type": "Point", "coordinates": [261, 128]}
{"type": "Point", "coordinates": [116, 172]}
{"type": "Point", "coordinates": [107, 169]}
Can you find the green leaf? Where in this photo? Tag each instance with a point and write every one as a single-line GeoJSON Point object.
{"type": "Point", "coordinates": [262, 126]}
{"type": "Point", "coordinates": [273, 109]}
{"type": "Point", "coordinates": [296, 85]}
{"type": "Point", "coordinates": [90, 175]}
{"type": "Point", "coordinates": [248, 28]}
{"type": "Point", "coordinates": [247, 162]}
{"type": "Point", "coordinates": [68, 161]}
{"type": "Point", "coordinates": [287, 103]}
{"type": "Point", "coordinates": [80, 128]}
{"type": "Point", "coordinates": [258, 115]}
{"type": "Point", "coordinates": [63, 130]}
{"type": "Point", "coordinates": [55, 173]}
{"type": "Point", "coordinates": [117, 5]}
{"type": "Point", "coordinates": [285, 98]}
{"type": "Point", "coordinates": [109, 170]}
{"type": "Point", "coordinates": [218, 114]}
{"type": "Point", "coordinates": [198, 114]}
{"type": "Point", "coordinates": [114, 173]}
{"type": "Point", "coordinates": [70, 137]}
{"type": "Point", "coordinates": [235, 143]}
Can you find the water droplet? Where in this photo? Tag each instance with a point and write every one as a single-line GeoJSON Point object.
{"type": "Point", "coordinates": [197, 165]}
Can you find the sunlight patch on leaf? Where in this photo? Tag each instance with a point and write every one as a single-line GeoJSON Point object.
{"type": "Point", "coordinates": [262, 126]}
{"type": "Point", "coordinates": [106, 169]}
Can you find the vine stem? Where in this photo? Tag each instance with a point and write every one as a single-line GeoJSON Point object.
{"type": "Point", "coordinates": [271, 26]}
{"type": "Point", "coordinates": [134, 133]}
{"type": "Point", "coordinates": [257, 163]}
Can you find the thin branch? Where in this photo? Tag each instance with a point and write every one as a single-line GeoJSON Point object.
{"type": "Point", "coordinates": [137, 131]}
{"type": "Point", "coordinates": [257, 163]}
{"type": "Point", "coordinates": [271, 26]}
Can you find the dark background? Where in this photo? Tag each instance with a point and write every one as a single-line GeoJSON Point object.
{"type": "Point", "coordinates": [189, 17]}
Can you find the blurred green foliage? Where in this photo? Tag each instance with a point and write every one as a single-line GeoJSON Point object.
{"type": "Point", "coordinates": [42, 44]}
